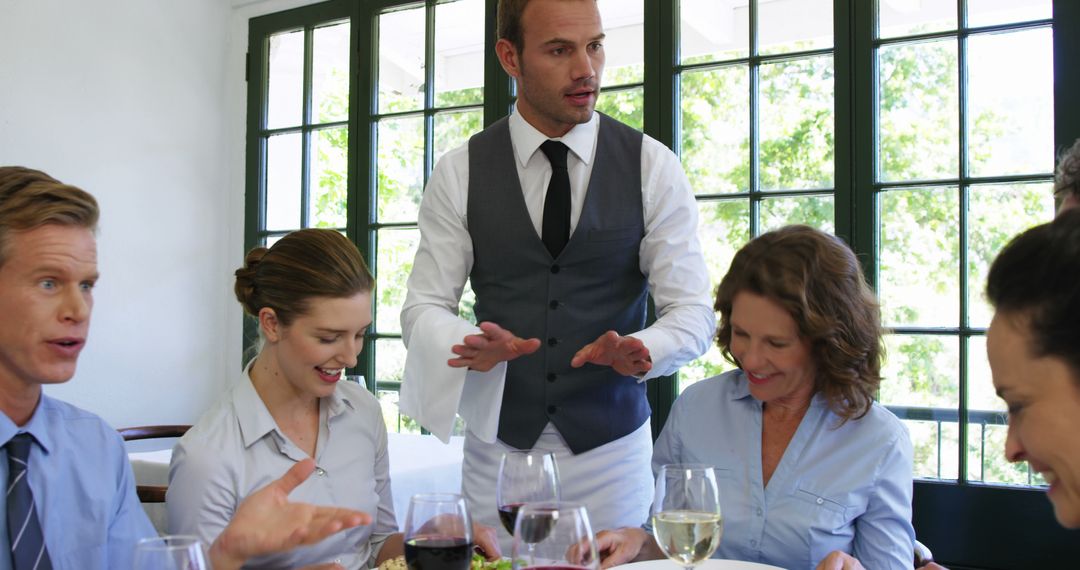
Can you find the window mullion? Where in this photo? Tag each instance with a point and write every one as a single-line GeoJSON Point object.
{"type": "Point", "coordinates": [305, 136]}
{"type": "Point", "coordinates": [964, 189]}
{"type": "Point", "coordinates": [863, 222]}
{"type": "Point", "coordinates": [754, 73]}
{"type": "Point", "coordinates": [429, 88]}
{"type": "Point", "coordinates": [362, 177]}
{"type": "Point", "coordinates": [843, 65]}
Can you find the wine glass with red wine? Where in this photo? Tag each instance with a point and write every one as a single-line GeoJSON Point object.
{"type": "Point", "coordinates": [438, 533]}
{"type": "Point", "coordinates": [554, 536]}
{"type": "Point", "coordinates": [524, 477]}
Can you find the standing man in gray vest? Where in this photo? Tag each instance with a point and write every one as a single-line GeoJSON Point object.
{"type": "Point", "coordinates": [565, 221]}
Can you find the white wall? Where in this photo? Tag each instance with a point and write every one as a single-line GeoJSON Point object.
{"type": "Point", "coordinates": [127, 99]}
{"type": "Point", "coordinates": [143, 104]}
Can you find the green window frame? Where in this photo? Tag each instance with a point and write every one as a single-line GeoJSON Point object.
{"type": "Point", "coordinates": [1002, 516]}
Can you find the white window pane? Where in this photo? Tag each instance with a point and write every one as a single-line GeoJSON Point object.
{"type": "Point", "coordinates": [626, 105]}
{"type": "Point", "coordinates": [285, 91]}
{"type": "Point", "coordinates": [453, 129]}
{"type": "Point", "coordinates": [909, 17]}
{"type": "Point", "coordinates": [330, 73]}
{"type": "Point", "coordinates": [919, 281]}
{"type": "Point", "coordinates": [397, 249]}
{"type": "Point", "coordinates": [1011, 103]}
{"type": "Point", "coordinates": [401, 60]}
{"type": "Point", "coordinates": [329, 178]}
{"type": "Point", "coordinates": [400, 168]}
{"type": "Point", "coordinates": [991, 12]}
{"type": "Point", "coordinates": [624, 26]}
{"type": "Point", "coordinates": [794, 25]}
{"type": "Point", "coordinates": [459, 53]}
{"type": "Point", "coordinates": [713, 30]}
{"type": "Point", "coordinates": [996, 214]}
{"type": "Point", "coordinates": [796, 124]}
{"type": "Point", "coordinates": [283, 159]}
{"type": "Point", "coordinates": [723, 227]}
{"type": "Point", "coordinates": [919, 111]}
{"type": "Point", "coordinates": [815, 211]}
{"type": "Point", "coordinates": [715, 129]}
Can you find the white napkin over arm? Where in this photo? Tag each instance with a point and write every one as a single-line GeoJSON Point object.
{"type": "Point", "coordinates": [433, 392]}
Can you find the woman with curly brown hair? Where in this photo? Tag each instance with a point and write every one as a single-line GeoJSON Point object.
{"type": "Point", "coordinates": [807, 463]}
{"type": "Point", "coordinates": [1067, 178]}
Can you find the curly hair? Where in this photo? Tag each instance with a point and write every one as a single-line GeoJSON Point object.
{"type": "Point", "coordinates": [1067, 176]}
{"type": "Point", "coordinates": [818, 280]}
{"type": "Point", "coordinates": [1035, 278]}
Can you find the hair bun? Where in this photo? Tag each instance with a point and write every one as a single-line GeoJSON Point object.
{"type": "Point", "coordinates": [245, 289]}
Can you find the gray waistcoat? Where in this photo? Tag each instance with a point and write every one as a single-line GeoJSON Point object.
{"type": "Point", "coordinates": [595, 285]}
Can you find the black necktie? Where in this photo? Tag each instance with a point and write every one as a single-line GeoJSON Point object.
{"type": "Point", "coordinates": [24, 529]}
{"type": "Point", "coordinates": [556, 225]}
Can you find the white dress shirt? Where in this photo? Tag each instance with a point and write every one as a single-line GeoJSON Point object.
{"type": "Point", "coordinates": [670, 255]}
{"type": "Point", "coordinates": [236, 448]}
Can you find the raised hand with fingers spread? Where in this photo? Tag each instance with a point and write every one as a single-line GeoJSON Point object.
{"type": "Point", "coordinates": [268, 522]}
{"type": "Point", "coordinates": [492, 345]}
{"type": "Point", "coordinates": [626, 354]}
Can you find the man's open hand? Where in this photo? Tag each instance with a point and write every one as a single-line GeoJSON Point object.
{"type": "Point", "coordinates": [492, 345]}
{"type": "Point", "coordinates": [626, 354]}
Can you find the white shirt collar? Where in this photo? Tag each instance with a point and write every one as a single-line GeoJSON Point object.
{"type": "Point", "coordinates": [527, 139]}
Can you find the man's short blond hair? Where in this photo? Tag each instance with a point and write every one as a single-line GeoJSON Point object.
{"type": "Point", "coordinates": [30, 198]}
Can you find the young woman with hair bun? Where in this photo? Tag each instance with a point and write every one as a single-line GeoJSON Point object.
{"type": "Point", "coordinates": [311, 295]}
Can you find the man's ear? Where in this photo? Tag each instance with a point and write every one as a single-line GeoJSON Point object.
{"type": "Point", "coordinates": [508, 57]}
{"type": "Point", "coordinates": [269, 324]}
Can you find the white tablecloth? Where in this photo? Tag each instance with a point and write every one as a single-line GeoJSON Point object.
{"type": "Point", "coordinates": [418, 464]}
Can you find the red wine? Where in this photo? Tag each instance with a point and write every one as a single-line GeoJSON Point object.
{"type": "Point", "coordinates": [536, 525]}
{"type": "Point", "coordinates": [508, 514]}
{"type": "Point", "coordinates": [438, 553]}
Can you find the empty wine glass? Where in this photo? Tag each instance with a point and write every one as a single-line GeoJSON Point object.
{"type": "Point", "coordinates": [176, 552]}
{"type": "Point", "coordinates": [554, 536]}
{"type": "Point", "coordinates": [524, 477]}
{"type": "Point", "coordinates": [686, 517]}
{"type": "Point", "coordinates": [438, 533]}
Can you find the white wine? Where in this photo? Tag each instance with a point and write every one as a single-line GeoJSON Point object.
{"type": "Point", "coordinates": [687, 537]}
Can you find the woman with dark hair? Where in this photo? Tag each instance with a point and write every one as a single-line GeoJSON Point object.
{"type": "Point", "coordinates": [311, 295]}
{"type": "Point", "coordinates": [1033, 344]}
{"type": "Point", "coordinates": [807, 463]}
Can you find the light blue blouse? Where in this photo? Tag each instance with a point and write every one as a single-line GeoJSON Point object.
{"type": "Point", "coordinates": [842, 488]}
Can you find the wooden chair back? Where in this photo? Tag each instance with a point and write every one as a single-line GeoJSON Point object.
{"type": "Point", "coordinates": [152, 493]}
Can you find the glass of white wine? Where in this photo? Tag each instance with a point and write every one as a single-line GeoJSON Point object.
{"type": "Point", "coordinates": [173, 552]}
{"type": "Point", "coordinates": [686, 517]}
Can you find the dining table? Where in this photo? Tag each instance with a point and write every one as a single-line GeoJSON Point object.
{"type": "Point", "coordinates": [418, 464]}
{"type": "Point", "coordinates": [710, 564]}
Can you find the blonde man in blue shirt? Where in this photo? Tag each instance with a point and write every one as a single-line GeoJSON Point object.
{"type": "Point", "coordinates": [71, 499]}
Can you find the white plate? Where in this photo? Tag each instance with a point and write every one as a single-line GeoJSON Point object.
{"type": "Point", "coordinates": [710, 564]}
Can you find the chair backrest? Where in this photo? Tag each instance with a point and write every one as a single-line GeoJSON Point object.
{"type": "Point", "coordinates": [152, 493]}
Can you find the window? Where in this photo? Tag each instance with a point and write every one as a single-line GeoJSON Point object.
{"type": "Point", "coordinates": [430, 100]}
{"type": "Point", "coordinates": [922, 132]}
{"type": "Point", "coordinates": [755, 84]}
{"type": "Point", "coordinates": [964, 162]}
